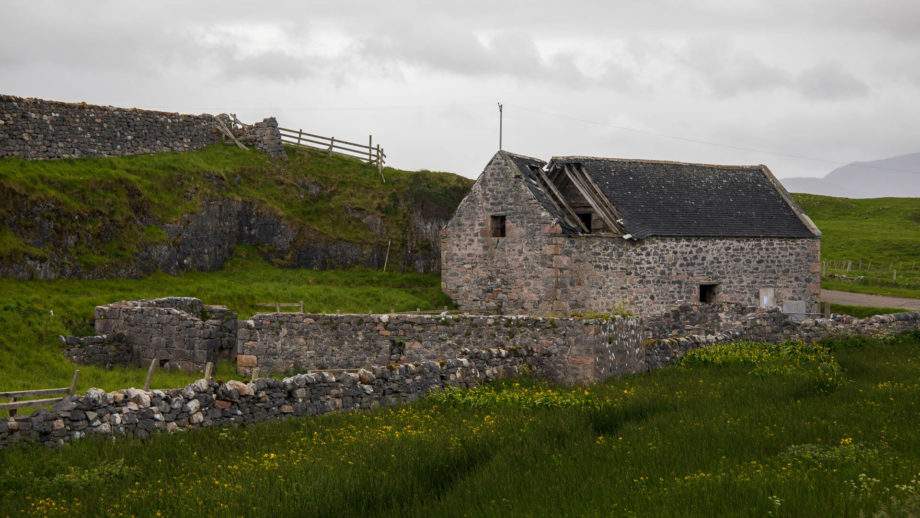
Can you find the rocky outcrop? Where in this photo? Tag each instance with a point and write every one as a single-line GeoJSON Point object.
{"type": "Point", "coordinates": [206, 239]}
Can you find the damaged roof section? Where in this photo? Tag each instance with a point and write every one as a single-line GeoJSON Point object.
{"type": "Point", "coordinates": [645, 198]}
{"type": "Point", "coordinates": [532, 171]}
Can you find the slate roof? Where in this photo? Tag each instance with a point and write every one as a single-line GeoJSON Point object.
{"type": "Point", "coordinates": [658, 198]}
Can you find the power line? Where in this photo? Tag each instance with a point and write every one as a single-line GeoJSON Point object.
{"type": "Point", "coordinates": [705, 142]}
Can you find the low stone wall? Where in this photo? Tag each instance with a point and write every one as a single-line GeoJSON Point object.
{"type": "Point", "coordinates": [41, 129]}
{"type": "Point", "coordinates": [180, 332]}
{"type": "Point", "coordinates": [105, 350]}
{"type": "Point", "coordinates": [139, 413]}
{"type": "Point", "coordinates": [566, 350]}
{"type": "Point", "coordinates": [776, 327]}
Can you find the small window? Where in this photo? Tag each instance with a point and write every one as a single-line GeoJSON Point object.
{"type": "Point", "coordinates": [708, 293]}
{"type": "Point", "coordinates": [586, 220]}
{"type": "Point", "coordinates": [497, 226]}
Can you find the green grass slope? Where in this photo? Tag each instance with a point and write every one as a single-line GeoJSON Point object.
{"type": "Point", "coordinates": [111, 207]}
{"type": "Point", "coordinates": [738, 429]}
{"type": "Point", "coordinates": [34, 313]}
{"type": "Point", "coordinates": [879, 236]}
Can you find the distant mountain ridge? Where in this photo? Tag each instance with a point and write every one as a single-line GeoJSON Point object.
{"type": "Point", "coordinates": [890, 177]}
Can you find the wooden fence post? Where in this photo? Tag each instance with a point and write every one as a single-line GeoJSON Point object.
{"type": "Point", "coordinates": [149, 378]}
{"type": "Point", "coordinates": [331, 143]}
{"type": "Point", "coordinates": [386, 258]}
{"type": "Point", "coordinates": [208, 368]}
{"type": "Point", "coordinates": [73, 382]}
{"type": "Point", "coordinates": [299, 135]}
{"type": "Point", "coordinates": [380, 163]}
{"type": "Point", "coordinates": [301, 306]}
{"type": "Point", "coordinates": [370, 148]}
{"type": "Point", "coordinates": [277, 307]}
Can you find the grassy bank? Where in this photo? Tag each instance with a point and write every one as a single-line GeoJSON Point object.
{"type": "Point", "coordinates": [115, 206]}
{"type": "Point", "coordinates": [735, 429]}
{"type": "Point", "coordinates": [878, 236]}
{"type": "Point", "coordinates": [34, 313]}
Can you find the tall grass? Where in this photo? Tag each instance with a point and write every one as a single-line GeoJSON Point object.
{"type": "Point", "coordinates": [732, 431]}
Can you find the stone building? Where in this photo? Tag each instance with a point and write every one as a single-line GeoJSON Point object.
{"type": "Point", "coordinates": [581, 234]}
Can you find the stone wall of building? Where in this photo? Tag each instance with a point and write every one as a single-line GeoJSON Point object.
{"type": "Point", "coordinates": [41, 129]}
{"type": "Point", "coordinates": [180, 332]}
{"type": "Point", "coordinates": [139, 413]}
{"type": "Point", "coordinates": [536, 269]}
{"type": "Point", "coordinates": [567, 350]}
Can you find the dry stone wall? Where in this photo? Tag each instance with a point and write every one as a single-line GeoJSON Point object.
{"type": "Point", "coordinates": [36, 128]}
{"type": "Point", "coordinates": [139, 413]}
{"type": "Point", "coordinates": [567, 350]}
{"type": "Point", "coordinates": [41, 129]}
{"type": "Point", "coordinates": [564, 350]}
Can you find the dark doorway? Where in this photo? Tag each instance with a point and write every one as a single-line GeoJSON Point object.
{"type": "Point", "coordinates": [708, 293]}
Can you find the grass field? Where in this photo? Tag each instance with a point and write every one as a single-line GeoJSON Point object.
{"type": "Point", "coordinates": [862, 311]}
{"type": "Point", "coordinates": [737, 429]}
{"type": "Point", "coordinates": [879, 236]}
{"type": "Point", "coordinates": [34, 313]}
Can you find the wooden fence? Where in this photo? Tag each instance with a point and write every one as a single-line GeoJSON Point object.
{"type": "Point", "coordinates": [279, 305]}
{"type": "Point", "coordinates": [369, 153]}
{"type": "Point", "coordinates": [868, 270]}
{"type": "Point", "coordinates": [17, 402]}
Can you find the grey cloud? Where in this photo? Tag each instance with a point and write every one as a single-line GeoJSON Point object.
{"type": "Point", "coordinates": [828, 81]}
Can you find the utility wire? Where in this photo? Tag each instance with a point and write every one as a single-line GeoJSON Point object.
{"type": "Point", "coordinates": [703, 142]}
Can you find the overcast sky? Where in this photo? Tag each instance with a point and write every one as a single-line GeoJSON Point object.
{"type": "Point", "coordinates": [802, 86]}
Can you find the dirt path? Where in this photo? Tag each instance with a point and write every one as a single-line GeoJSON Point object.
{"type": "Point", "coordinates": [862, 299]}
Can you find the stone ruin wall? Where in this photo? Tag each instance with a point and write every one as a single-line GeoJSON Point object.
{"type": "Point", "coordinates": [536, 270]}
{"type": "Point", "coordinates": [562, 349]}
{"type": "Point", "coordinates": [40, 129]}
{"type": "Point", "coordinates": [180, 332]}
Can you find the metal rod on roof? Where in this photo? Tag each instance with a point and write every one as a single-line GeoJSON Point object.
{"type": "Point", "coordinates": [499, 126]}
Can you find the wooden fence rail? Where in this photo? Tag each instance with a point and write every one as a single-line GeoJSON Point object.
{"type": "Point", "coordinates": [16, 396]}
{"type": "Point", "coordinates": [368, 153]}
{"type": "Point", "coordinates": [279, 305]}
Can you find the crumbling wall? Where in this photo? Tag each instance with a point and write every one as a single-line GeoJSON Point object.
{"type": "Point", "coordinates": [179, 332]}
{"type": "Point", "coordinates": [105, 350]}
{"type": "Point", "coordinates": [139, 413]}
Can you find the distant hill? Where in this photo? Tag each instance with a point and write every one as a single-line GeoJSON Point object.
{"type": "Point", "coordinates": [897, 176]}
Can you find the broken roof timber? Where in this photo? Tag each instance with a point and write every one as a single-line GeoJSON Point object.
{"type": "Point", "coordinates": [557, 198]}
{"type": "Point", "coordinates": [591, 196]}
